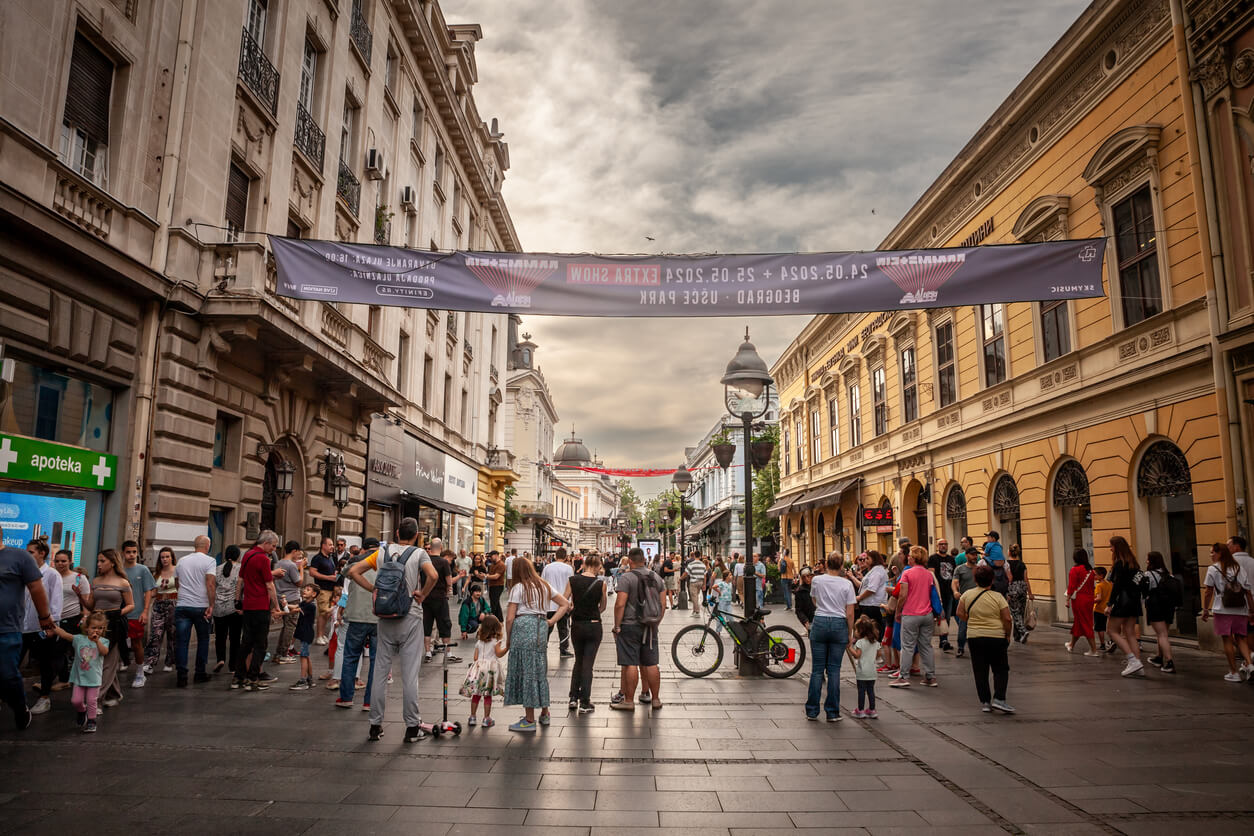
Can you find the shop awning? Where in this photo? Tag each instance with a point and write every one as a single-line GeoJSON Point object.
{"type": "Point", "coordinates": [828, 494]}
{"type": "Point", "coordinates": [439, 503]}
{"type": "Point", "coordinates": [782, 505]}
{"type": "Point", "coordinates": [702, 525]}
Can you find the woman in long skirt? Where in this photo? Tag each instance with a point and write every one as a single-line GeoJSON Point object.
{"type": "Point", "coordinates": [527, 624]}
{"type": "Point", "coordinates": [1080, 598]}
{"type": "Point", "coordinates": [111, 595]}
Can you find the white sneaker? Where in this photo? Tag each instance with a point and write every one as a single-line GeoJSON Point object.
{"type": "Point", "coordinates": [1245, 671]}
{"type": "Point", "coordinates": [42, 706]}
{"type": "Point", "coordinates": [320, 640]}
{"type": "Point", "coordinates": [139, 681]}
{"type": "Point", "coordinates": [147, 669]}
{"type": "Point", "coordinates": [1134, 666]}
{"type": "Point", "coordinates": [1228, 677]}
{"type": "Point", "coordinates": [166, 669]}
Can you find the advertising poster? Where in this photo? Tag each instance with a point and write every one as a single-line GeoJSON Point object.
{"type": "Point", "coordinates": [61, 519]}
{"type": "Point", "coordinates": [651, 548]}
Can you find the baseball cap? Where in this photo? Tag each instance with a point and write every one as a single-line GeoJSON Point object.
{"type": "Point", "coordinates": [904, 541]}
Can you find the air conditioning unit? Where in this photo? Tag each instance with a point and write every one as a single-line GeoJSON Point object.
{"type": "Point", "coordinates": [409, 199]}
{"type": "Point", "coordinates": [375, 168]}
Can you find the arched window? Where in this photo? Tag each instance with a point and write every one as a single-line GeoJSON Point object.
{"type": "Point", "coordinates": [1163, 472]}
{"type": "Point", "coordinates": [1071, 486]}
{"type": "Point", "coordinates": [956, 515]}
{"type": "Point", "coordinates": [822, 536]}
{"type": "Point", "coordinates": [1006, 509]}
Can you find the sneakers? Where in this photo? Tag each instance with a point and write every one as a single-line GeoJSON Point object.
{"type": "Point", "coordinates": [645, 696]}
{"type": "Point", "coordinates": [488, 722]}
{"type": "Point", "coordinates": [304, 685]}
{"type": "Point", "coordinates": [202, 677]}
{"type": "Point", "coordinates": [451, 659]}
{"type": "Point", "coordinates": [545, 719]}
{"type": "Point", "coordinates": [566, 654]}
{"type": "Point", "coordinates": [834, 718]}
{"type": "Point", "coordinates": [903, 682]}
{"type": "Point", "coordinates": [621, 703]}
{"type": "Point", "coordinates": [1169, 666]}
{"type": "Point", "coordinates": [1092, 653]}
{"type": "Point", "coordinates": [586, 707]}
{"type": "Point", "coordinates": [237, 684]}
{"type": "Point", "coordinates": [1133, 667]}
{"type": "Point", "coordinates": [1070, 647]}
{"type": "Point", "coordinates": [426, 657]}
{"type": "Point", "coordinates": [1232, 677]}
{"type": "Point", "coordinates": [1245, 672]}
{"type": "Point", "coordinates": [139, 681]}
{"type": "Point", "coordinates": [857, 714]}
{"type": "Point", "coordinates": [1002, 706]}
{"type": "Point", "coordinates": [931, 682]}
{"type": "Point", "coordinates": [339, 703]}
{"type": "Point", "coordinates": [80, 719]}
{"type": "Point", "coordinates": [42, 706]}
{"type": "Point", "coordinates": [987, 708]}
{"type": "Point", "coordinates": [321, 640]}
{"type": "Point", "coordinates": [572, 705]}
{"type": "Point", "coordinates": [812, 717]}
{"type": "Point", "coordinates": [415, 733]}
{"type": "Point", "coordinates": [376, 733]}
{"type": "Point", "coordinates": [267, 677]}
{"type": "Point", "coordinates": [870, 714]}
{"type": "Point", "coordinates": [90, 728]}
{"type": "Point", "coordinates": [166, 669]}
{"type": "Point", "coordinates": [471, 721]}
{"type": "Point", "coordinates": [960, 654]}
{"type": "Point", "coordinates": [885, 669]}
{"type": "Point", "coordinates": [522, 726]}
{"type": "Point", "coordinates": [365, 706]}
{"type": "Point", "coordinates": [147, 669]}
{"type": "Point", "coordinates": [256, 685]}
{"type": "Point", "coordinates": [285, 660]}
{"type": "Point", "coordinates": [109, 702]}
{"type": "Point", "coordinates": [1156, 661]}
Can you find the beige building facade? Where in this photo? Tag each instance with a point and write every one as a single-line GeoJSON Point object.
{"type": "Point", "coordinates": [146, 151]}
{"type": "Point", "coordinates": [1058, 426]}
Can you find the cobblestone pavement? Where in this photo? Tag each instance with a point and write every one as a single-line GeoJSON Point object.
{"type": "Point", "coordinates": [1088, 752]}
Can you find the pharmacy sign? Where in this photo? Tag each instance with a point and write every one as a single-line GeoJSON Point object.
{"type": "Point", "coordinates": [34, 460]}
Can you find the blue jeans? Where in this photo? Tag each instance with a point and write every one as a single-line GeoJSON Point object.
{"type": "Point", "coordinates": [185, 618]}
{"type": "Point", "coordinates": [787, 585]}
{"type": "Point", "coordinates": [761, 596]}
{"type": "Point", "coordinates": [962, 634]}
{"type": "Point", "coordinates": [12, 688]}
{"type": "Point", "coordinates": [358, 633]}
{"type": "Point", "coordinates": [829, 636]}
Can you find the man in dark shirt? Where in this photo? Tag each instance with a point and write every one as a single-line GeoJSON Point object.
{"type": "Point", "coordinates": [942, 566]}
{"type": "Point", "coordinates": [670, 580]}
{"type": "Point", "coordinates": [496, 583]}
{"type": "Point", "coordinates": [18, 574]}
{"type": "Point", "coordinates": [435, 605]}
{"type": "Point", "coordinates": [323, 570]}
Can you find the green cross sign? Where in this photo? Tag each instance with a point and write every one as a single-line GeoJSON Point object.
{"type": "Point", "coordinates": [34, 460]}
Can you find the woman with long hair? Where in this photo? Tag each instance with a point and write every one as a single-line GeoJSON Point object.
{"type": "Point", "coordinates": [1226, 598]}
{"type": "Point", "coordinates": [227, 619]}
{"type": "Point", "coordinates": [1080, 597]}
{"type": "Point", "coordinates": [527, 625]}
{"type": "Point", "coordinates": [161, 619]}
{"type": "Point", "coordinates": [111, 595]}
{"type": "Point", "coordinates": [587, 594]}
{"type": "Point", "coordinates": [1160, 610]}
{"type": "Point", "coordinates": [1019, 595]}
{"type": "Point", "coordinates": [1125, 604]}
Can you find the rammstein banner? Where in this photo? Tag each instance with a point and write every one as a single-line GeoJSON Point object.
{"type": "Point", "coordinates": [668, 285]}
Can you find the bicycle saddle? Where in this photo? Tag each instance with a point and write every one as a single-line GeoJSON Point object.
{"type": "Point", "coordinates": [761, 614]}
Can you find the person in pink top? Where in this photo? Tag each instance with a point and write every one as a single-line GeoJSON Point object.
{"type": "Point", "coordinates": [915, 617]}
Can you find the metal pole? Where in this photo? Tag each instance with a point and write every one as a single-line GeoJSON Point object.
{"type": "Point", "coordinates": [750, 591]}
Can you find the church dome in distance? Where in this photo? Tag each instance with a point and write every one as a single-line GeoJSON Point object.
{"type": "Point", "coordinates": [572, 451]}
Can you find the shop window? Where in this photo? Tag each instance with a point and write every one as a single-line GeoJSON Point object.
{"type": "Point", "coordinates": [946, 369]}
{"type": "Point", "coordinates": [1136, 247]}
{"type": "Point", "coordinates": [226, 441]}
{"type": "Point", "coordinates": [833, 422]}
{"type": "Point", "coordinates": [56, 407]}
{"type": "Point", "coordinates": [85, 123]}
{"type": "Point", "coordinates": [855, 416]}
{"type": "Point", "coordinates": [879, 397]}
{"type": "Point", "coordinates": [993, 334]}
{"type": "Point", "coordinates": [909, 386]}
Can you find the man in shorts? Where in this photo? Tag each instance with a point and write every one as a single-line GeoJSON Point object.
{"type": "Point", "coordinates": [670, 578]}
{"type": "Point", "coordinates": [143, 590]}
{"type": "Point", "coordinates": [435, 615]}
{"type": "Point", "coordinates": [637, 645]}
{"type": "Point", "coordinates": [324, 572]}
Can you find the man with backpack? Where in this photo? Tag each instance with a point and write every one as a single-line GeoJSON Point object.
{"type": "Point", "coordinates": [638, 610]}
{"type": "Point", "coordinates": [405, 577]}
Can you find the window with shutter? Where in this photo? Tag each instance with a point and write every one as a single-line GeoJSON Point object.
{"type": "Point", "coordinates": [85, 126]}
{"type": "Point", "coordinates": [236, 202]}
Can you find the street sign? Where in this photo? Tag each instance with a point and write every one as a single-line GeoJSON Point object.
{"type": "Point", "coordinates": [877, 517]}
{"type": "Point", "coordinates": [35, 460]}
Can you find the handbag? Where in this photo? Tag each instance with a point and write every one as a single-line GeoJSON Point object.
{"type": "Point", "coordinates": [937, 608]}
{"type": "Point", "coordinates": [1030, 620]}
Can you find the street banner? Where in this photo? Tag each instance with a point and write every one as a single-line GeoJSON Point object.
{"type": "Point", "coordinates": [706, 285]}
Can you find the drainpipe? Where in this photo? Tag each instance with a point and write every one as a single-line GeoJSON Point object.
{"type": "Point", "coordinates": [1223, 395]}
{"type": "Point", "coordinates": [154, 312]}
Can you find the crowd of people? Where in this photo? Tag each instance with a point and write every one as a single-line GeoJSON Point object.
{"type": "Point", "coordinates": [386, 609]}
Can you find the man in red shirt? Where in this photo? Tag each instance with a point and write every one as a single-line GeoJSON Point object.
{"type": "Point", "coordinates": [255, 596]}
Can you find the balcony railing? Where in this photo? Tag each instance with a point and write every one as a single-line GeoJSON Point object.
{"type": "Point", "coordinates": [535, 509]}
{"type": "Point", "coordinates": [310, 140]}
{"type": "Point", "coordinates": [258, 73]}
{"type": "Point", "coordinates": [359, 31]}
{"type": "Point", "coordinates": [493, 373]}
{"type": "Point", "coordinates": [499, 459]}
{"type": "Point", "coordinates": [348, 187]}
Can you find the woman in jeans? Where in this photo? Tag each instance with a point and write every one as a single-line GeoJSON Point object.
{"type": "Point", "coordinates": [834, 601]}
{"type": "Point", "coordinates": [987, 616]}
{"type": "Point", "coordinates": [587, 595]}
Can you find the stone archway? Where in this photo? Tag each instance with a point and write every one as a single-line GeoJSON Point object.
{"type": "Point", "coordinates": [955, 514]}
{"type": "Point", "coordinates": [1165, 521]}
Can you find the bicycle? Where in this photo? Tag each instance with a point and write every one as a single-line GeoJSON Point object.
{"type": "Point", "coordinates": [697, 650]}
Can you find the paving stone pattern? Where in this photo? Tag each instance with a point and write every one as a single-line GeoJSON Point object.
{"type": "Point", "coordinates": [1088, 752]}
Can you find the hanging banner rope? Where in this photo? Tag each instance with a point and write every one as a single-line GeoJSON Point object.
{"type": "Point", "coordinates": [664, 286]}
{"type": "Point", "coordinates": [631, 471]}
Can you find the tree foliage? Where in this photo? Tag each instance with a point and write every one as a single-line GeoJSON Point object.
{"type": "Point", "coordinates": [512, 516]}
{"type": "Point", "coordinates": [766, 486]}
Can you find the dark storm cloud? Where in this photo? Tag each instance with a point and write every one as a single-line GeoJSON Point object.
{"type": "Point", "coordinates": [723, 126]}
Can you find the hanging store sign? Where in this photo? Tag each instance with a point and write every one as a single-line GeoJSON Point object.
{"type": "Point", "coordinates": [877, 517]}
{"type": "Point", "coordinates": [663, 286]}
{"type": "Point", "coordinates": [34, 460]}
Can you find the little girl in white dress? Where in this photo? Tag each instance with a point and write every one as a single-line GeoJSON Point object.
{"type": "Point", "coordinates": [485, 679]}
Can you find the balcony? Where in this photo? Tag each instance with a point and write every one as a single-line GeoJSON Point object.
{"type": "Point", "coordinates": [493, 373]}
{"type": "Point", "coordinates": [499, 459]}
{"type": "Point", "coordinates": [468, 350]}
{"type": "Point", "coordinates": [258, 74]}
{"type": "Point", "coordinates": [535, 510]}
{"type": "Point", "coordinates": [348, 188]}
{"type": "Point", "coordinates": [310, 140]}
{"type": "Point", "coordinates": [359, 32]}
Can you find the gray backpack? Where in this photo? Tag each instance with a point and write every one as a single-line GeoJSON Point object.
{"type": "Point", "coordinates": [649, 608]}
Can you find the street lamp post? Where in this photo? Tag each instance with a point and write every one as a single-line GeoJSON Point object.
{"type": "Point", "coordinates": [682, 480]}
{"type": "Point", "coordinates": [746, 380]}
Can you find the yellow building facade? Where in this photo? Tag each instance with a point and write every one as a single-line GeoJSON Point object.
{"type": "Point", "coordinates": [1056, 425]}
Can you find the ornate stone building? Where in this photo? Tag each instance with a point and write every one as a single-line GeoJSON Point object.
{"type": "Point", "coordinates": [146, 151]}
{"type": "Point", "coordinates": [1056, 425]}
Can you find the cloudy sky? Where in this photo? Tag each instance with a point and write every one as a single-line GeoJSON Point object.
{"type": "Point", "coordinates": [723, 126]}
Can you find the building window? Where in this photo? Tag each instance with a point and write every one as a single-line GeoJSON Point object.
{"type": "Point", "coordinates": [226, 441]}
{"type": "Point", "coordinates": [993, 332]}
{"type": "Point", "coordinates": [447, 411]}
{"type": "Point", "coordinates": [465, 413]}
{"type": "Point", "coordinates": [308, 75]}
{"type": "Point", "coordinates": [909, 386]}
{"type": "Point", "coordinates": [1055, 332]}
{"type": "Point", "coordinates": [437, 166]}
{"type": "Point", "coordinates": [785, 458]}
{"type": "Point", "coordinates": [85, 124]}
{"type": "Point", "coordinates": [415, 130]}
{"type": "Point", "coordinates": [237, 185]}
{"type": "Point", "coordinates": [402, 364]}
{"type": "Point", "coordinates": [294, 229]}
{"type": "Point", "coordinates": [374, 322]}
{"type": "Point", "coordinates": [945, 369]}
{"type": "Point", "coordinates": [348, 132]}
{"type": "Point", "coordinates": [855, 416]}
{"type": "Point", "coordinates": [390, 66]}
{"type": "Point", "coordinates": [816, 437]}
{"type": "Point", "coordinates": [833, 423]}
{"type": "Point", "coordinates": [1136, 246]}
{"type": "Point", "coordinates": [428, 372]}
{"type": "Point", "coordinates": [879, 398]}
{"type": "Point", "coordinates": [257, 21]}
{"type": "Point", "coordinates": [801, 441]}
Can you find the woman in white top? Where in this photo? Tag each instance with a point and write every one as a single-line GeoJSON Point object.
{"type": "Point", "coordinates": [1226, 598]}
{"type": "Point", "coordinates": [75, 589]}
{"type": "Point", "coordinates": [527, 624]}
{"type": "Point", "coordinates": [834, 601]}
{"type": "Point", "coordinates": [873, 592]}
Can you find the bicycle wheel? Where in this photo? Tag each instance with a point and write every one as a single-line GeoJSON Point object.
{"type": "Point", "coordinates": [781, 651]}
{"type": "Point", "coordinates": [697, 650]}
